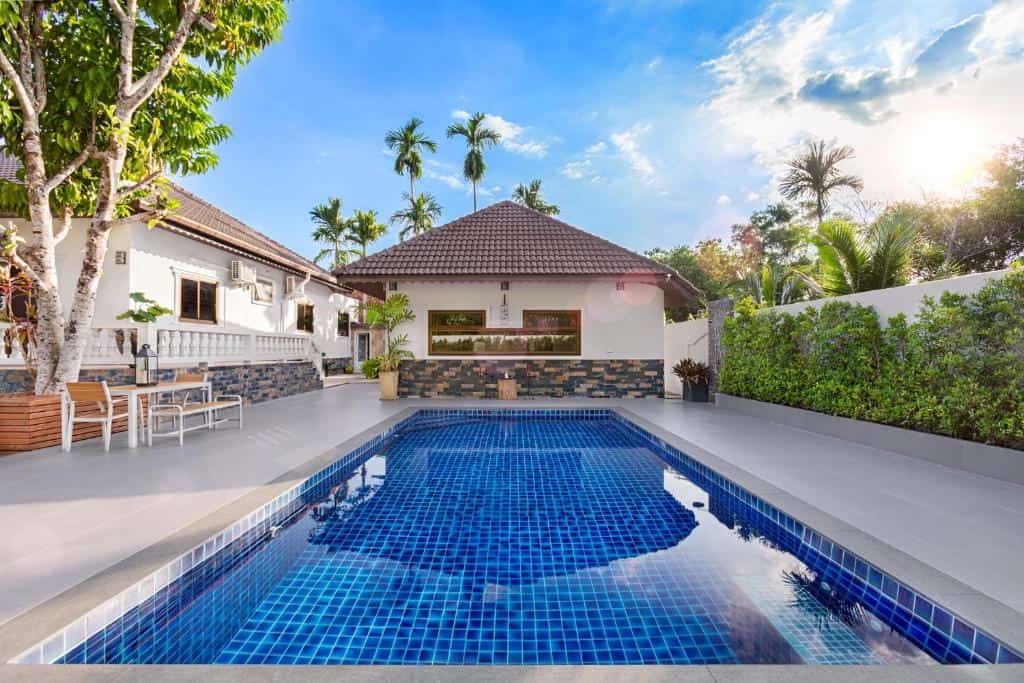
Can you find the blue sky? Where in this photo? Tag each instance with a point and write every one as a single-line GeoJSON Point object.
{"type": "Point", "coordinates": [650, 122]}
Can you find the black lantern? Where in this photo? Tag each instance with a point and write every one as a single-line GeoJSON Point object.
{"type": "Point", "coordinates": [146, 368]}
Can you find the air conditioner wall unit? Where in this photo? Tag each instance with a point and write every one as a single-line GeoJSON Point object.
{"type": "Point", "coordinates": [242, 273]}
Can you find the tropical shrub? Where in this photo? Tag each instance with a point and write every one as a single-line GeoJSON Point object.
{"type": "Point", "coordinates": [690, 371]}
{"type": "Point", "coordinates": [957, 369]}
{"type": "Point", "coordinates": [371, 368]}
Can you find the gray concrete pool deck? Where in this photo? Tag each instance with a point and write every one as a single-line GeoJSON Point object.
{"type": "Point", "coordinates": [70, 516]}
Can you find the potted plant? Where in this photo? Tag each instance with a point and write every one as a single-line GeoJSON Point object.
{"type": "Point", "coordinates": [388, 315]}
{"type": "Point", "coordinates": [694, 375]}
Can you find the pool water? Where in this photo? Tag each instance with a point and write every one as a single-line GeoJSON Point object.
{"type": "Point", "coordinates": [540, 537]}
{"type": "Point", "coordinates": [540, 541]}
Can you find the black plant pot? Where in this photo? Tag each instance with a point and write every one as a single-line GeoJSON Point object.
{"type": "Point", "coordinates": [696, 392]}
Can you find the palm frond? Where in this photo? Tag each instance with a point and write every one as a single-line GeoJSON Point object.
{"type": "Point", "coordinates": [892, 243]}
{"type": "Point", "coordinates": [842, 255]}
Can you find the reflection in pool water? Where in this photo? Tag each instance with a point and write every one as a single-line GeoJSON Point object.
{"type": "Point", "coordinates": [521, 541]}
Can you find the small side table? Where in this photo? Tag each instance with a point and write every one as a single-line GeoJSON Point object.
{"type": "Point", "coordinates": [508, 390]}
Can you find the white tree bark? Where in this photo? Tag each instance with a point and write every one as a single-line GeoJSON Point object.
{"type": "Point", "coordinates": [60, 345]}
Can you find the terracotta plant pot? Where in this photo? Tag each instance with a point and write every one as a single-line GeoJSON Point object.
{"type": "Point", "coordinates": [508, 390]}
{"type": "Point", "coordinates": [388, 385]}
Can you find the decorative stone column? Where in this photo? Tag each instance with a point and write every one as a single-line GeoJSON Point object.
{"type": "Point", "coordinates": [718, 311]}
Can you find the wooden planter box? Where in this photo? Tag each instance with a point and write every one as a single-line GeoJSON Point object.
{"type": "Point", "coordinates": [28, 422]}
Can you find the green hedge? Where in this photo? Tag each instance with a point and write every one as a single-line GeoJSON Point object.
{"type": "Point", "coordinates": [957, 370]}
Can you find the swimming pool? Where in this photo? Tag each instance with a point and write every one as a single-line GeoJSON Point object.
{"type": "Point", "coordinates": [519, 537]}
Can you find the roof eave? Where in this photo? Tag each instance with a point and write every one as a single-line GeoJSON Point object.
{"type": "Point", "coordinates": [678, 291]}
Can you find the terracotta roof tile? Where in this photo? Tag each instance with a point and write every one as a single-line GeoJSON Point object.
{"type": "Point", "coordinates": [196, 213]}
{"type": "Point", "coordinates": [508, 239]}
{"type": "Point", "coordinates": [199, 216]}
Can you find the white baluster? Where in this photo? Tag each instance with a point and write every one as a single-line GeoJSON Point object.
{"type": "Point", "coordinates": [163, 343]}
{"type": "Point", "coordinates": [175, 348]}
{"type": "Point", "coordinates": [204, 346]}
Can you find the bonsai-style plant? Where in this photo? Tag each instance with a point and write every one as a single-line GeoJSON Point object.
{"type": "Point", "coordinates": [388, 315]}
{"type": "Point", "coordinates": [695, 376]}
{"type": "Point", "coordinates": [143, 311]}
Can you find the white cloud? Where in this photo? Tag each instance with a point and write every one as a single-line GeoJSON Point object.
{"type": "Point", "coordinates": [628, 144]}
{"type": "Point", "coordinates": [723, 200]}
{"type": "Point", "coordinates": [916, 100]}
{"type": "Point", "coordinates": [451, 180]}
{"type": "Point", "coordinates": [511, 133]}
{"type": "Point", "coordinates": [753, 196]}
{"type": "Point", "coordinates": [653, 65]}
{"type": "Point", "coordinates": [577, 170]}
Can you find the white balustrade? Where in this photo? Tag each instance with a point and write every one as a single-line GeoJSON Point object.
{"type": "Point", "coordinates": [180, 346]}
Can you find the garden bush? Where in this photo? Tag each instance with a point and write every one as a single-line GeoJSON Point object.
{"type": "Point", "coordinates": [957, 369]}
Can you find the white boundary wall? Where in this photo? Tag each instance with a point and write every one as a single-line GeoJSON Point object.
{"type": "Point", "coordinates": [688, 339]}
{"type": "Point", "coordinates": [905, 299]}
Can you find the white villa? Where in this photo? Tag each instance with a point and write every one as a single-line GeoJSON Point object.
{"type": "Point", "coordinates": [239, 299]}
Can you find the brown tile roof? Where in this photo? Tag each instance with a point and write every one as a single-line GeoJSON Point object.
{"type": "Point", "coordinates": [196, 217]}
{"type": "Point", "coordinates": [510, 240]}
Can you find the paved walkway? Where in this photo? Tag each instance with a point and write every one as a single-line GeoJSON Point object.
{"type": "Point", "coordinates": [68, 516]}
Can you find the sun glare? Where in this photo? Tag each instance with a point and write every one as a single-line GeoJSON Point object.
{"type": "Point", "coordinates": [944, 153]}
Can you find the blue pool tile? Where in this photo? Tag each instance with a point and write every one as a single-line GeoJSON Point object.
{"type": "Point", "coordinates": [520, 537]}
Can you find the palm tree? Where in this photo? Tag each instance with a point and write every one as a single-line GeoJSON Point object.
{"type": "Point", "coordinates": [331, 230]}
{"type": "Point", "coordinates": [815, 174]}
{"type": "Point", "coordinates": [851, 262]}
{"type": "Point", "coordinates": [418, 216]}
{"type": "Point", "coordinates": [407, 143]}
{"type": "Point", "coordinates": [478, 138]}
{"type": "Point", "coordinates": [777, 285]}
{"type": "Point", "coordinates": [364, 230]}
{"type": "Point", "coordinates": [529, 195]}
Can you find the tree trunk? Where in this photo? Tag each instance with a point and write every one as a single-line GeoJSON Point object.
{"type": "Point", "coordinates": [41, 258]}
{"type": "Point", "coordinates": [412, 192]}
{"type": "Point", "coordinates": [474, 196]}
{"type": "Point", "coordinates": [84, 303]}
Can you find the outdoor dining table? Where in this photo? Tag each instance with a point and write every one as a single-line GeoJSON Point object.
{"type": "Point", "coordinates": [133, 391]}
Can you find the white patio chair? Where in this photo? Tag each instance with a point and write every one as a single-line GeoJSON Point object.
{"type": "Point", "coordinates": [81, 394]}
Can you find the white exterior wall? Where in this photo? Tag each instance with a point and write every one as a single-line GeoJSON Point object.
{"type": "Point", "coordinates": [905, 299]}
{"type": "Point", "coordinates": [688, 339]}
{"type": "Point", "coordinates": [159, 257]}
{"type": "Point", "coordinates": [112, 295]}
{"type": "Point", "coordinates": [620, 325]}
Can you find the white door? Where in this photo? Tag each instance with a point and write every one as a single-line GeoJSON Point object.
{"type": "Point", "coordinates": [362, 347]}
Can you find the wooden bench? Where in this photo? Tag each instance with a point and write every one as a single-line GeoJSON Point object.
{"type": "Point", "coordinates": [179, 411]}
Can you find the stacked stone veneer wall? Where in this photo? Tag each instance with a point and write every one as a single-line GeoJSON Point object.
{"type": "Point", "coordinates": [336, 366]}
{"type": "Point", "coordinates": [432, 378]}
{"type": "Point", "coordinates": [255, 383]}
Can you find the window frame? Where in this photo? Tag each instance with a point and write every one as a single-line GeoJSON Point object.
{"type": "Point", "coordinates": [299, 317]}
{"type": "Point", "coordinates": [576, 329]}
{"type": "Point", "coordinates": [344, 328]}
{"type": "Point", "coordinates": [199, 281]}
{"type": "Point", "coordinates": [263, 280]}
